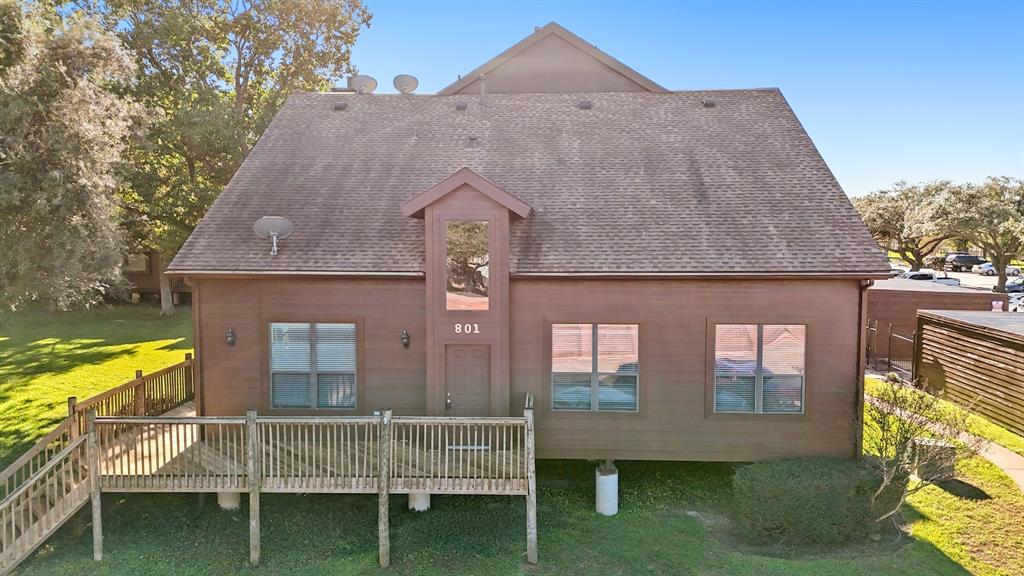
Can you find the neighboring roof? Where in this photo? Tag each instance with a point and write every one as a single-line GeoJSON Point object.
{"type": "Point", "coordinates": [905, 285]}
{"type": "Point", "coordinates": [638, 183]}
{"type": "Point", "coordinates": [465, 177]}
{"type": "Point", "coordinates": [560, 66]}
{"type": "Point", "coordinates": [1009, 324]}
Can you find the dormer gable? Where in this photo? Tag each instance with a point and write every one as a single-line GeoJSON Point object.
{"type": "Point", "coordinates": [552, 60]}
{"type": "Point", "coordinates": [465, 177]}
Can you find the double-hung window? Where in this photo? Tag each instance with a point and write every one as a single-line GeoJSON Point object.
{"type": "Point", "coordinates": [313, 365]}
{"type": "Point", "coordinates": [760, 368]}
{"type": "Point", "coordinates": [595, 367]}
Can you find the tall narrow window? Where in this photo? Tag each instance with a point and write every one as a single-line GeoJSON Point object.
{"type": "Point", "coordinates": [595, 367]}
{"type": "Point", "coordinates": [313, 365]}
{"type": "Point", "coordinates": [468, 265]}
{"type": "Point", "coordinates": [759, 368]}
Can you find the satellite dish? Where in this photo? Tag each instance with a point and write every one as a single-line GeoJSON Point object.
{"type": "Point", "coordinates": [405, 83]}
{"type": "Point", "coordinates": [273, 227]}
{"type": "Point", "coordinates": [362, 84]}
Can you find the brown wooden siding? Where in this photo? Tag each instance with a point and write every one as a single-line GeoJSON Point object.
{"type": "Point", "coordinates": [388, 376]}
{"type": "Point", "coordinates": [673, 316]}
{"type": "Point", "coordinates": [900, 307]}
{"type": "Point", "coordinates": [974, 368]}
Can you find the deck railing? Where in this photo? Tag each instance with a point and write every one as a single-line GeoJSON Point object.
{"type": "Point", "coordinates": [146, 395]}
{"type": "Point", "coordinates": [458, 455]}
{"type": "Point", "coordinates": [111, 443]}
{"type": "Point", "coordinates": [344, 454]}
{"type": "Point", "coordinates": [37, 457]}
{"type": "Point", "coordinates": [43, 502]}
{"type": "Point", "coordinates": [43, 487]}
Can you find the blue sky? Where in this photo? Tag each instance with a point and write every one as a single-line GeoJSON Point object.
{"type": "Point", "coordinates": [888, 91]}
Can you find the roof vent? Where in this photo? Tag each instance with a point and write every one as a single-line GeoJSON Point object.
{"type": "Point", "coordinates": [344, 89]}
{"type": "Point", "coordinates": [708, 102]}
{"type": "Point", "coordinates": [585, 105]}
{"type": "Point", "coordinates": [340, 105]}
{"type": "Point", "coordinates": [460, 105]}
{"type": "Point", "coordinates": [474, 142]}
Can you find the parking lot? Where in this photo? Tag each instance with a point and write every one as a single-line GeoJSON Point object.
{"type": "Point", "coordinates": [972, 280]}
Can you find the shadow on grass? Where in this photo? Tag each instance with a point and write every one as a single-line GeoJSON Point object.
{"type": "Point", "coordinates": [964, 490]}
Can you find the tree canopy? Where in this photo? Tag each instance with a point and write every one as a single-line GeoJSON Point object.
{"type": "Point", "coordinates": [64, 124]}
{"type": "Point", "coordinates": [907, 218]}
{"type": "Point", "coordinates": [990, 215]}
{"type": "Point", "coordinates": [213, 74]}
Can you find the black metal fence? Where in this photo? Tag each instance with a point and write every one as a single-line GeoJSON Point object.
{"type": "Point", "coordinates": [897, 355]}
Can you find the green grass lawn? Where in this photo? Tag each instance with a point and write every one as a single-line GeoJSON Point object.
{"type": "Point", "coordinates": [977, 425]}
{"type": "Point", "coordinates": [673, 517]}
{"type": "Point", "coordinates": [44, 358]}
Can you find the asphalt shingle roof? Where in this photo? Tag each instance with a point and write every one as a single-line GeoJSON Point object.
{"type": "Point", "coordinates": [639, 182]}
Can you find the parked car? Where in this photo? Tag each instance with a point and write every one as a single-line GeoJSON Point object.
{"type": "Point", "coordinates": [930, 275]}
{"type": "Point", "coordinates": [1013, 286]}
{"type": "Point", "coordinates": [962, 262]}
{"type": "Point", "coordinates": [938, 262]}
{"type": "Point", "coordinates": [987, 269]}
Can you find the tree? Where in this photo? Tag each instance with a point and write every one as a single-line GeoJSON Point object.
{"type": "Point", "coordinates": [990, 215]}
{"type": "Point", "coordinates": [214, 72]}
{"type": "Point", "coordinates": [906, 219]}
{"type": "Point", "coordinates": [901, 421]}
{"type": "Point", "coordinates": [64, 123]}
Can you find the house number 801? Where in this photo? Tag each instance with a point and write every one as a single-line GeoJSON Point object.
{"type": "Point", "coordinates": [467, 328]}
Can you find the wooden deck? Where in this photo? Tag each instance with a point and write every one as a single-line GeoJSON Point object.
{"type": "Point", "coordinates": [180, 452]}
{"type": "Point", "coordinates": [126, 440]}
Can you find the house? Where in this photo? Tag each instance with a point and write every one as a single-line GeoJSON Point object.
{"type": "Point", "coordinates": [975, 359]}
{"type": "Point", "coordinates": [142, 270]}
{"type": "Point", "coordinates": [672, 274]}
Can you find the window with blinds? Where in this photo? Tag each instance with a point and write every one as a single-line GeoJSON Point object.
{"type": "Point", "coordinates": [595, 367]}
{"type": "Point", "coordinates": [759, 368]}
{"type": "Point", "coordinates": [313, 365]}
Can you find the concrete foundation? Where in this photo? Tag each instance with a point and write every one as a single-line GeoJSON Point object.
{"type": "Point", "coordinates": [607, 489]}
{"type": "Point", "coordinates": [419, 501]}
{"type": "Point", "coordinates": [229, 500]}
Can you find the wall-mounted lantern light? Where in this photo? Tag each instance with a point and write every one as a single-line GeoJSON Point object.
{"type": "Point", "coordinates": [230, 337]}
{"type": "Point", "coordinates": [405, 338]}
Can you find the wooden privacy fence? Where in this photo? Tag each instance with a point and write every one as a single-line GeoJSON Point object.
{"type": "Point", "coordinates": [378, 454]}
{"type": "Point", "coordinates": [975, 359]}
{"type": "Point", "coordinates": [44, 487]}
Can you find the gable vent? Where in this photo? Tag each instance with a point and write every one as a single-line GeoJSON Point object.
{"type": "Point", "coordinates": [585, 105]}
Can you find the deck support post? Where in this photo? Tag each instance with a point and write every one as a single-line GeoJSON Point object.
{"type": "Point", "coordinates": [383, 479]}
{"type": "Point", "coordinates": [531, 485]}
{"type": "Point", "coordinates": [253, 473]}
{"type": "Point", "coordinates": [92, 455]}
{"type": "Point", "coordinates": [140, 394]}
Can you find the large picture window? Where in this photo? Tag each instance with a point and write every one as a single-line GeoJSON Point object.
{"type": "Point", "coordinates": [313, 365]}
{"type": "Point", "coordinates": [467, 281]}
{"type": "Point", "coordinates": [759, 368]}
{"type": "Point", "coordinates": [595, 367]}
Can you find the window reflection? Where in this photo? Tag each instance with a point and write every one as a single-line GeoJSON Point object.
{"type": "Point", "coordinates": [468, 263]}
